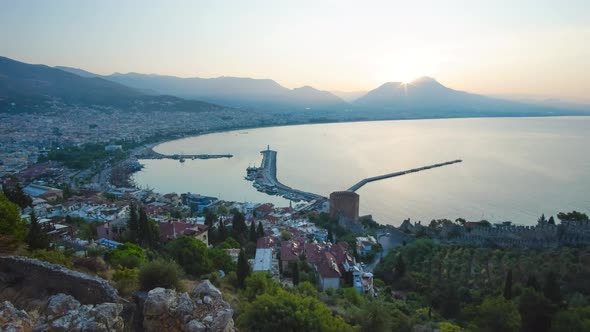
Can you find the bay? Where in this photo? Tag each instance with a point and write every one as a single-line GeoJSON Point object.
{"type": "Point", "coordinates": [513, 168]}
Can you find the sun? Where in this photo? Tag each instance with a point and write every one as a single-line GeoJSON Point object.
{"type": "Point", "coordinates": [404, 73]}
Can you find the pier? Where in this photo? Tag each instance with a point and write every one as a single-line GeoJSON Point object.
{"type": "Point", "coordinates": [151, 154]}
{"type": "Point", "coordinates": [265, 179]}
{"type": "Point", "coordinates": [391, 175]}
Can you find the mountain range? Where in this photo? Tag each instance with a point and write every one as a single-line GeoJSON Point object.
{"type": "Point", "coordinates": [422, 98]}
{"type": "Point", "coordinates": [26, 87]}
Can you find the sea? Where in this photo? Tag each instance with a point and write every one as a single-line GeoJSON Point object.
{"type": "Point", "coordinates": [513, 169]}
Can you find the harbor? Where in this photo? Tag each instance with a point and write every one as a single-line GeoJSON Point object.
{"type": "Point", "coordinates": [265, 179]}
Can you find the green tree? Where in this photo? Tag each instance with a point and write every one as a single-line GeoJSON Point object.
{"type": "Point", "coordinates": [239, 225]}
{"type": "Point", "coordinates": [295, 272]}
{"type": "Point", "coordinates": [148, 230]}
{"type": "Point", "coordinates": [260, 230]}
{"type": "Point", "coordinates": [535, 311]}
{"type": "Point", "coordinates": [449, 327]}
{"type": "Point", "coordinates": [222, 231]}
{"type": "Point", "coordinates": [221, 260]}
{"type": "Point", "coordinates": [14, 192]}
{"type": "Point", "coordinates": [191, 254]}
{"type": "Point", "coordinates": [289, 312]}
{"type": "Point", "coordinates": [243, 269]}
{"type": "Point", "coordinates": [259, 283]}
{"type": "Point", "coordinates": [252, 235]}
{"type": "Point", "coordinates": [572, 320]}
{"type": "Point", "coordinates": [551, 288]}
{"type": "Point", "coordinates": [11, 223]}
{"type": "Point", "coordinates": [378, 315]}
{"type": "Point", "coordinates": [133, 224]}
{"type": "Point", "coordinates": [508, 285]}
{"type": "Point", "coordinates": [551, 221]}
{"type": "Point", "coordinates": [400, 266]}
{"type": "Point", "coordinates": [496, 314]}
{"type": "Point", "coordinates": [160, 273]}
{"type": "Point", "coordinates": [128, 255]}
{"type": "Point", "coordinates": [533, 283]}
{"type": "Point", "coordinates": [37, 238]}
{"type": "Point", "coordinates": [572, 216]}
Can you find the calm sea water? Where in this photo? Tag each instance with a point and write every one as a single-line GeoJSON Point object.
{"type": "Point", "coordinates": [513, 168]}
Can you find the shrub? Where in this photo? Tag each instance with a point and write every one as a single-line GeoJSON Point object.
{"type": "Point", "coordinates": [160, 273]}
{"type": "Point", "coordinates": [51, 256]}
{"type": "Point", "coordinates": [126, 280]}
{"type": "Point", "coordinates": [128, 255]}
{"type": "Point", "coordinates": [93, 264]}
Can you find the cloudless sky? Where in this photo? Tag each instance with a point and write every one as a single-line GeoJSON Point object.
{"type": "Point", "coordinates": [532, 47]}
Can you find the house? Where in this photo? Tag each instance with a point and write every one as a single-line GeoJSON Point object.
{"type": "Point", "coordinates": [170, 230]}
{"type": "Point", "coordinates": [112, 230]}
{"type": "Point", "coordinates": [290, 252]}
{"type": "Point", "coordinates": [113, 148]}
{"type": "Point", "coordinates": [266, 242]}
{"type": "Point", "coordinates": [263, 260]}
{"type": "Point", "coordinates": [364, 244]}
{"type": "Point", "coordinates": [328, 271]}
{"type": "Point", "coordinates": [47, 193]}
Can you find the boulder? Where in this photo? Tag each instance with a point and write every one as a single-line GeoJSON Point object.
{"type": "Point", "coordinates": [14, 320]}
{"type": "Point", "coordinates": [205, 288]}
{"type": "Point", "coordinates": [58, 305]}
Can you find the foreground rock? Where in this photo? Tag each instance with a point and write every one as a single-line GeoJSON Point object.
{"type": "Point", "coordinates": [13, 320]}
{"type": "Point", "coordinates": [203, 310]}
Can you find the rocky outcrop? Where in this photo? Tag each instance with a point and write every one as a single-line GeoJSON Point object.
{"type": "Point", "coordinates": [203, 310]}
{"type": "Point", "coordinates": [34, 279]}
{"type": "Point", "coordinates": [58, 299]}
{"type": "Point", "coordinates": [14, 320]}
{"type": "Point", "coordinates": [64, 313]}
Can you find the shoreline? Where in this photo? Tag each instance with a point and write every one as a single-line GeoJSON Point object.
{"type": "Point", "coordinates": [227, 130]}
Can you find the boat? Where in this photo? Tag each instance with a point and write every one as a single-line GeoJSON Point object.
{"type": "Point", "coordinates": [181, 160]}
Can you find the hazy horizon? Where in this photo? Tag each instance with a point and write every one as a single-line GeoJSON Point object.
{"type": "Point", "coordinates": [492, 47]}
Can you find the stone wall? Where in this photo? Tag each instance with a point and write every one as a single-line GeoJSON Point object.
{"type": "Point", "coordinates": [34, 279]}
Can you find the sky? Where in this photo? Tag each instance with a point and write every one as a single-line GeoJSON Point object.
{"type": "Point", "coordinates": [536, 48]}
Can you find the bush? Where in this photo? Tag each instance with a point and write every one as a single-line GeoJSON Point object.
{"type": "Point", "coordinates": [126, 280]}
{"type": "Point", "coordinates": [128, 255]}
{"type": "Point", "coordinates": [160, 273]}
{"type": "Point", "coordinates": [92, 264]}
{"type": "Point", "coordinates": [51, 256]}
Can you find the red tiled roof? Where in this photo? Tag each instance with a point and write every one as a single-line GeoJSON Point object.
{"type": "Point", "coordinates": [265, 242]}
{"type": "Point", "coordinates": [291, 250]}
{"type": "Point", "coordinates": [327, 266]}
{"type": "Point", "coordinates": [174, 229]}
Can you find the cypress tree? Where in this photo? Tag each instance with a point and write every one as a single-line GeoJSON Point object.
{"type": "Point", "coordinates": [295, 273]}
{"type": "Point", "coordinates": [260, 230]}
{"type": "Point", "coordinates": [239, 224]}
{"type": "Point", "coordinates": [222, 231]}
{"type": "Point", "coordinates": [508, 286]}
{"type": "Point", "coordinates": [133, 223]}
{"type": "Point", "coordinates": [252, 232]}
{"type": "Point", "coordinates": [551, 221]}
{"type": "Point", "coordinates": [551, 289]}
{"type": "Point", "coordinates": [37, 238]}
{"type": "Point", "coordinates": [243, 269]}
{"type": "Point", "coordinates": [400, 266]}
{"type": "Point", "coordinates": [330, 235]}
{"type": "Point", "coordinates": [533, 283]}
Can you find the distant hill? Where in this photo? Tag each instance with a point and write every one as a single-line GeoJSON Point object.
{"type": "Point", "coordinates": [427, 98]}
{"type": "Point", "coordinates": [27, 87]}
{"type": "Point", "coordinates": [77, 71]}
{"type": "Point", "coordinates": [37, 87]}
{"type": "Point", "coordinates": [234, 91]}
{"type": "Point", "coordinates": [349, 96]}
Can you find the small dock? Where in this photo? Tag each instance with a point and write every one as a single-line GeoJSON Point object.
{"type": "Point", "coordinates": [391, 175]}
